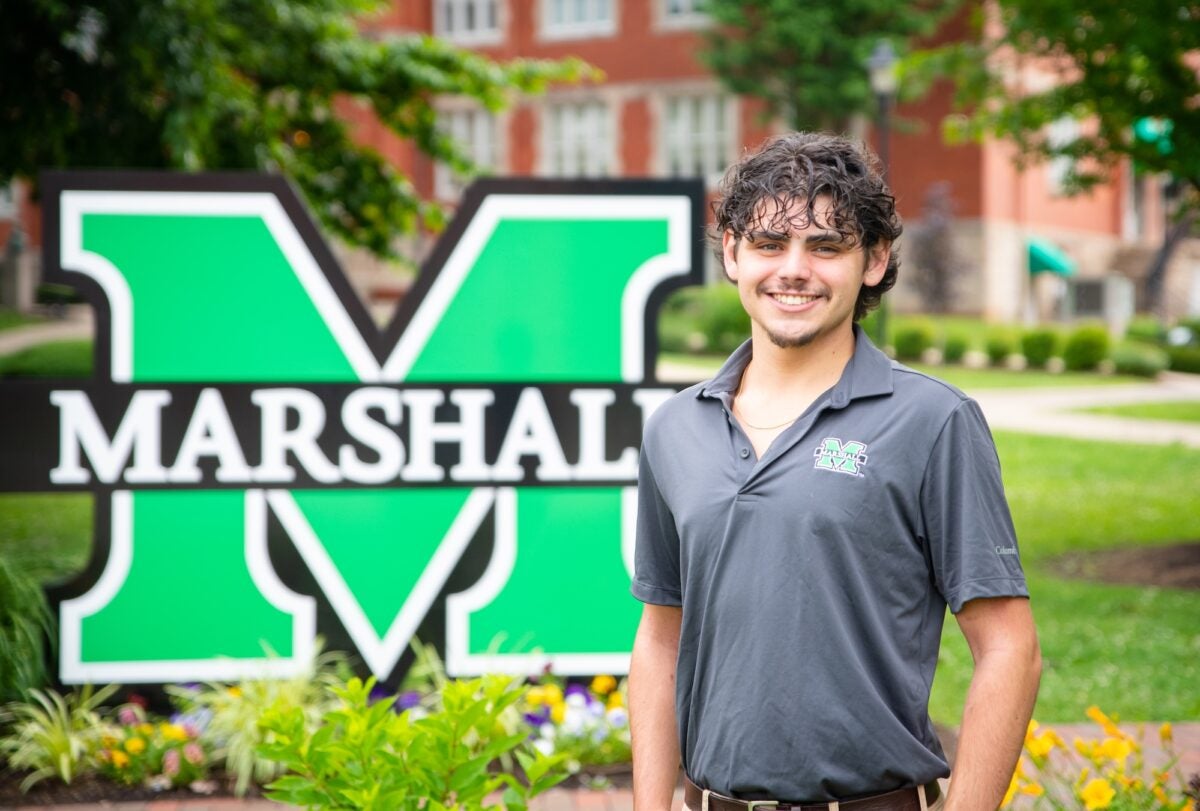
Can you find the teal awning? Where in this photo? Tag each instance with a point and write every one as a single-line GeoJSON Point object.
{"type": "Point", "coordinates": [1046, 257]}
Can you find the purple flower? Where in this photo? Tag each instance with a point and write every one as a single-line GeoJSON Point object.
{"type": "Point", "coordinates": [536, 719]}
{"type": "Point", "coordinates": [406, 701]}
{"type": "Point", "coordinates": [378, 693]}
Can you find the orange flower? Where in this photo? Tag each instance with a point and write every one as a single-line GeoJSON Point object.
{"type": "Point", "coordinates": [120, 759]}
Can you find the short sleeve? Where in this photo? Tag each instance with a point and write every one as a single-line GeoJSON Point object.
{"type": "Point", "coordinates": [967, 526]}
{"type": "Point", "coordinates": [656, 552]}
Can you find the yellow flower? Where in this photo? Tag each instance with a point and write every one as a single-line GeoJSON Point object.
{"type": "Point", "coordinates": [1116, 749]}
{"type": "Point", "coordinates": [145, 729]}
{"type": "Point", "coordinates": [1106, 723]}
{"type": "Point", "coordinates": [1033, 789]}
{"type": "Point", "coordinates": [173, 732]}
{"type": "Point", "coordinates": [558, 712]}
{"type": "Point", "coordinates": [603, 685]}
{"type": "Point", "coordinates": [1029, 730]}
{"type": "Point", "coordinates": [120, 759]}
{"type": "Point", "coordinates": [1161, 795]}
{"type": "Point", "coordinates": [1098, 793]}
{"type": "Point", "coordinates": [108, 741]}
{"type": "Point", "coordinates": [1165, 733]}
{"type": "Point", "coordinates": [135, 746]}
{"type": "Point", "coordinates": [235, 691]}
{"type": "Point", "coordinates": [1040, 745]}
{"type": "Point", "coordinates": [615, 700]}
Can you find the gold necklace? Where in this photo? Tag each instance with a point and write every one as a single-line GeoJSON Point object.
{"type": "Point", "coordinates": [742, 417]}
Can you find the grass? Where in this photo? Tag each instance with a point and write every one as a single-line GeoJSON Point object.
{"type": "Point", "coordinates": [1134, 651]}
{"type": "Point", "coordinates": [11, 318]}
{"type": "Point", "coordinates": [50, 360]}
{"type": "Point", "coordinates": [47, 534]}
{"type": "Point", "coordinates": [1173, 411]}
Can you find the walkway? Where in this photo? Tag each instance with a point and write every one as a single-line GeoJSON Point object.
{"type": "Point", "coordinates": [76, 326]}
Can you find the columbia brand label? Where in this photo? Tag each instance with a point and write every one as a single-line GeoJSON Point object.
{"type": "Point", "coordinates": [833, 454]}
{"type": "Point", "coordinates": [267, 464]}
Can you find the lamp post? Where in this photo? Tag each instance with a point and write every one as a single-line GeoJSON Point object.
{"type": "Point", "coordinates": [881, 68]}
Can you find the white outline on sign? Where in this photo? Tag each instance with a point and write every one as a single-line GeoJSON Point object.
{"type": "Point", "coordinates": [301, 608]}
{"type": "Point", "coordinates": [382, 653]}
{"type": "Point", "coordinates": [675, 209]}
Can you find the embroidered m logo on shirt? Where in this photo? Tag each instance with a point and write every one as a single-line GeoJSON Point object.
{"type": "Point", "coordinates": [846, 458]}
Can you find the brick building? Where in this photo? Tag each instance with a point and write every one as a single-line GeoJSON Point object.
{"type": "Point", "coordinates": [659, 112]}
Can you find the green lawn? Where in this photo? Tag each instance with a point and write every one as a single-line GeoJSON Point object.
{"type": "Point", "coordinates": [12, 318]}
{"type": "Point", "coordinates": [1134, 651]}
{"type": "Point", "coordinates": [52, 359]}
{"type": "Point", "coordinates": [1176, 411]}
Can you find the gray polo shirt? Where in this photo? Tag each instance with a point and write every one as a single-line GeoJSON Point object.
{"type": "Point", "coordinates": [814, 581]}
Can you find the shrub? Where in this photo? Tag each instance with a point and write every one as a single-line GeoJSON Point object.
{"type": "Point", "coordinates": [913, 339]}
{"type": "Point", "coordinates": [1141, 359]}
{"type": "Point", "coordinates": [707, 318]}
{"type": "Point", "coordinates": [365, 755]}
{"type": "Point", "coordinates": [25, 622]}
{"type": "Point", "coordinates": [999, 345]}
{"type": "Point", "coordinates": [1038, 346]}
{"type": "Point", "coordinates": [1184, 359]}
{"type": "Point", "coordinates": [955, 348]}
{"type": "Point", "coordinates": [589, 725]}
{"type": "Point", "coordinates": [1086, 346]}
{"type": "Point", "coordinates": [1147, 330]}
{"type": "Point", "coordinates": [234, 710]}
{"type": "Point", "coordinates": [53, 734]}
{"type": "Point", "coordinates": [54, 359]}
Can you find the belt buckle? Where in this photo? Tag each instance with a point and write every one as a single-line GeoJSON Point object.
{"type": "Point", "coordinates": [751, 805]}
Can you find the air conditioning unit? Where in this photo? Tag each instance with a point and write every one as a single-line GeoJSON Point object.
{"type": "Point", "coordinates": [1109, 299]}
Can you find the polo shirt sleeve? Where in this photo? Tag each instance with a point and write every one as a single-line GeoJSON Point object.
{"type": "Point", "coordinates": [656, 552]}
{"type": "Point", "coordinates": [968, 530]}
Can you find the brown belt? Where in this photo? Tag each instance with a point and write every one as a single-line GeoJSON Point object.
{"type": "Point", "coordinates": [904, 799]}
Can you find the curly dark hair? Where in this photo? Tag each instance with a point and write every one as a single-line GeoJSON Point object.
{"type": "Point", "coordinates": [801, 167]}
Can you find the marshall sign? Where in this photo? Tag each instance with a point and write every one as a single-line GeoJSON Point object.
{"type": "Point", "coordinates": [267, 465]}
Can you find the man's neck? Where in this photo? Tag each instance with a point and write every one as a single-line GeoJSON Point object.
{"type": "Point", "coordinates": [810, 369]}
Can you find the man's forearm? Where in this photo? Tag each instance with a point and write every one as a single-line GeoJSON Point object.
{"type": "Point", "coordinates": [999, 704]}
{"type": "Point", "coordinates": [652, 711]}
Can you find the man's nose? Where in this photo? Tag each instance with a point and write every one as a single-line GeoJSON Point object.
{"type": "Point", "coordinates": [795, 263]}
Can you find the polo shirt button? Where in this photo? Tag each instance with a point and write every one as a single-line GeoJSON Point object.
{"type": "Point", "coordinates": [744, 453]}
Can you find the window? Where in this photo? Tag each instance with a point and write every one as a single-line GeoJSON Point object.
{"type": "Point", "coordinates": [697, 138]}
{"type": "Point", "coordinates": [681, 13]}
{"type": "Point", "coordinates": [476, 132]}
{"type": "Point", "coordinates": [578, 139]}
{"type": "Point", "coordinates": [563, 19]}
{"type": "Point", "coordinates": [467, 21]}
{"type": "Point", "coordinates": [1061, 132]}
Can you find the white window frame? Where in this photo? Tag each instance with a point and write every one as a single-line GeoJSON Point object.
{"type": "Point", "coordinates": [552, 29]}
{"type": "Point", "coordinates": [557, 128]}
{"type": "Point", "coordinates": [490, 158]}
{"type": "Point", "coordinates": [687, 20]}
{"type": "Point", "coordinates": [720, 153]}
{"type": "Point", "coordinates": [1060, 132]}
{"type": "Point", "coordinates": [477, 35]}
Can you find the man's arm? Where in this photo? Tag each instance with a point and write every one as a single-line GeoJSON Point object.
{"type": "Point", "coordinates": [1008, 666]}
{"type": "Point", "coordinates": [652, 707]}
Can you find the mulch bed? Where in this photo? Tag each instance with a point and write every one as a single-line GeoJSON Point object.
{"type": "Point", "coordinates": [1176, 566]}
{"type": "Point", "coordinates": [93, 789]}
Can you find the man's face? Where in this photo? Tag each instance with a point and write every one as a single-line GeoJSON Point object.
{"type": "Point", "coordinates": [799, 280]}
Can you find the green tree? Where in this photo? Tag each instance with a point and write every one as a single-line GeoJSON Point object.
{"type": "Point", "coordinates": [1128, 73]}
{"type": "Point", "coordinates": [807, 60]}
{"type": "Point", "coordinates": [242, 84]}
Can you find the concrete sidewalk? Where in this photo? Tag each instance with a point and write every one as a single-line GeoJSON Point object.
{"type": "Point", "coordinates": [77, 325]}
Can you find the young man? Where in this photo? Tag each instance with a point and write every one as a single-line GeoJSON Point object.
{"type": "Point", "coordinates": [804, 520]}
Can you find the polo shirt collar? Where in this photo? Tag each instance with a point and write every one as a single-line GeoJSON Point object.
{"type": "Point", "coordinates": [868, 374]}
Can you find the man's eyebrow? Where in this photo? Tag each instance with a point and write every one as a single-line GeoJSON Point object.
{"type": "Point", "coordinates": [759, 236]}
{"type": "Point", "coordinates": [827, 236]}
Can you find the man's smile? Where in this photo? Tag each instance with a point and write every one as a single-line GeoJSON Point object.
{"type": "Point", "coordinates": [794, 299]}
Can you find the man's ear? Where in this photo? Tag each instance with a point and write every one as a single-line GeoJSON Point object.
{"type": "Point", "coordinates": [729, 249]}
{"type": "Point", "coordinates": [877, 263]}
